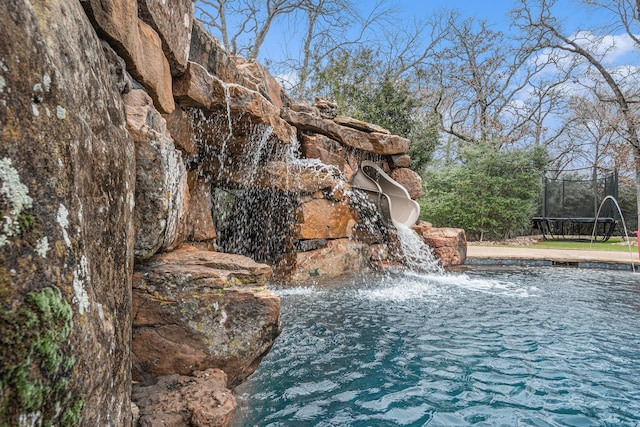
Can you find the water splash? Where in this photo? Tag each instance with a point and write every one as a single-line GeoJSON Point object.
{"type": "Point", "coordinates": [626, 233]}
{"type": "Point", "coordinates": [255, 151]}
{"type": "Point", "coordinates": [227, 101]}
{"type": "Point", "coordinates": [253, 210]}
{"type": "Point", "coordinates": [417, 255]}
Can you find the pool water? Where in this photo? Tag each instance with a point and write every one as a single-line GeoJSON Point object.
{"type": "Point", "coordinates": [491, 347]}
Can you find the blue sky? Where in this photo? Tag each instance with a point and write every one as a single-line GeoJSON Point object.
{"type": "Point", "coordinates": [284, 38]}
{"type": "Point", "coordinates": [571, 13]}
{"type": "Point", "coordinates": [493, 11]}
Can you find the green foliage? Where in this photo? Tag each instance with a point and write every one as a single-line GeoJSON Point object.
{"type": "Point", "coordinates": [491, 194]}
{"type": "Point", "coordinates": [389, 104]}
{"type": "Point", "coordinates": [35, 371]}
{"type": "Point", "coordinates": [346, 78]}
{"type": "Point", "coordinates": [71, 416]}
{"type": "Point", "coordinates": [368, 90]}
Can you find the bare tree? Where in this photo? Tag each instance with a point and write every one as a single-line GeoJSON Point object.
{"type": "Point", "coordinates": [252, 21]}
{"type": "Point", "coordinates": [593, 134]}
{"type": "Point", "coordinates": [624, 15]}
{"type": "Point", "coordinates": [330, 26]}
{"type": "Point", "coordinates": [589, 51]}
{"type": "Point", "coordinates": [485, 86]}
{"type": "Point", "coordinates": [319, 27]}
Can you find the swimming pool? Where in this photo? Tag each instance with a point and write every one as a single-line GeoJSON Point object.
{"type": "Point", "coordinates": [500, 346]}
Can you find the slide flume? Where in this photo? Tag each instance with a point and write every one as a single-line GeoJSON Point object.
{"type": "Point", "coordinates": [390, 197]}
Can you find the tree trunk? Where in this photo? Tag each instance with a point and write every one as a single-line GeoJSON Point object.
{"type": "Point", "coordinates": [637, 161]}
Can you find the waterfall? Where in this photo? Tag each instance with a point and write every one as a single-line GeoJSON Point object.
{"type": "Point", "coordinates": [412, 251]}
{"type": "Point", "coordinates": [416, 254]}
{"type": "Point", "coordinates": [258, 182]}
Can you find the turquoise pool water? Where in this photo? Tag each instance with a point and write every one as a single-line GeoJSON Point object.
{"type": "Point", "coordinates": [489, 347]}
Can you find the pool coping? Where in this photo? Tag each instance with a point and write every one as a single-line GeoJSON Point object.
{"type": "Point", "coordinates": [519, 256]}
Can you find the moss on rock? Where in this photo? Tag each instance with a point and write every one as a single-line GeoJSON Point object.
{"type": "Point", "coordinates": [37, 368]}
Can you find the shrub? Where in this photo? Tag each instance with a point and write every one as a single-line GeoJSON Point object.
{"type": "Point", "coordinates": [491, 193]}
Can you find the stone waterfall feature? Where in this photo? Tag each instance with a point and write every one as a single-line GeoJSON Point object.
{"type": "Point", "coordinates": [151, 185]}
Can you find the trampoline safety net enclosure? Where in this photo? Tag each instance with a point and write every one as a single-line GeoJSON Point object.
{"type": "Point", "coordinates": [570, 206]}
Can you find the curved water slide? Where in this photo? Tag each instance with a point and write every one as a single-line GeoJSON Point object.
{"type": "Point", "coordinates": [390, 197]}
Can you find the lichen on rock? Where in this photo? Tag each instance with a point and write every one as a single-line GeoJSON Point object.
{"type": "Point", "coordinates": [14, 201]}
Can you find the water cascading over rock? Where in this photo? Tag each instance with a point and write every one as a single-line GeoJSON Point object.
{"type": "Point", "coordinates": [280, 171]}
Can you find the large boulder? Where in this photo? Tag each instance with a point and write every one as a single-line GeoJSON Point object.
{"type": "Point", "coordinates": [373, 142]}
{"type": "Point", "coordinates": [323, 219]}
{"type": "Point", "coordinates": [117, 22]}
{"type": "Point", "coordinates": [162, 195]}
{"type": "Point", "coordinates": [410, 180]}
{"type": "Point", "coordinates": [326, 109]}
{"type": "Point", "coordinates": [206, 50]}
{"type": "Point", "coordinates": [242, 106]}
{"type": "Point", "coordinates": [274, 175]}
{"type": "Point", "coordinates": [200, 225]}
{"type": "Point", "coordinates": [137, 43]}
{"type": "Point", "coordinates": [193, 88]}
{"type": "Point", "coordinates": [152, 69]}
{"type": "Point", "coordinates": [325, 149]}
{"type": "Point", "coordinates": [263, 82]}
{"type": "Point", "coordinates": [399, 161]}
{"type": "Point", "coordinates": [242, 101]}
{"type": "Point", "coordinates": [194, 310]}
{"type": "Point", "coordinates": [297, 178]}
{"type": "Point", "coordinates": [202, 399]}
{"type": "Point", "coordinates": [449, 245]}
{"type": "Point", "coordinates": [172, 21]}
{"type": "Point", "coordinates": [67, 172]}
{"type": "Point", "coordinates": [359, 124]}
{"type": "Point", "coordinates": [181, 129]}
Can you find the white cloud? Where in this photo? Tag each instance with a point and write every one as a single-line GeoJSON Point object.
{"type": "Point", "coordinates": [610, 48]}
{"type": "Point", "coordinates": [613, 51]}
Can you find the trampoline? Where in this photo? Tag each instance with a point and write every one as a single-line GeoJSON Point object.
{"type": "Point", "coordinates": [570, 205]}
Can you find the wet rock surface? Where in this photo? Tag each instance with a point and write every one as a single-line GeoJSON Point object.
{"type": "Point", "coordinates": [323, 219]}
{"type": "Point", "coordinates": [200, 224]}
{"type": "Point", "coordinates": [338, 258]}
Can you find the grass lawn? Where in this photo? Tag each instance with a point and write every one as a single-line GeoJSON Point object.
{"type": "Point", "coordinates": [613, 244]}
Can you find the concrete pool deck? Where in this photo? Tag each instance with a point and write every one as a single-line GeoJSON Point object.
{"type": "Point", "coordinates": [514, 255]}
